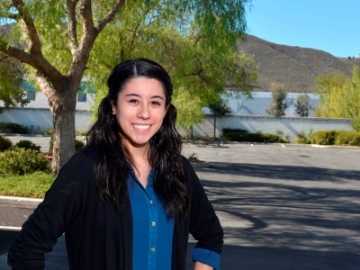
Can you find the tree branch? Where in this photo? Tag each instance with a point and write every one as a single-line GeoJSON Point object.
{"type": "Point", "coordinates": [72, 28]}
{"type": "Point", "coordinates": [86, 14]}
{"type": "Point", "coordinates": [35, 58]}
{"type": "Point", "coordinates": [35, 47]}
{"type": "Point", "coordinates": [110, 16]}
{"type": "Point", "coordinates": [16, 53]}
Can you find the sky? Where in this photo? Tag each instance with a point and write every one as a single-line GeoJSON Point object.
{"type": "Point", "coordinates": [332, 26]}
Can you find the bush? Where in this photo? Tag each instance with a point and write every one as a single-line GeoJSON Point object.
{"type": "Point", "coordinates": [13, 128]}
{"type": "Point", "coordinates": [20, 161]}
{"type": "Point", "coordinates": [321, 137]}
{"type": "Point", "coordinates": [234, 130]}
{"type": "Point", "coordinates": [241, 135]}
{"type": "Point", "coordinates": [347, 138]}
{"type": "Point", "coordinates": [5, 144]}
{"type": "Point", "coordinates": [303, 138]}
{"type": "Point", "coordinates": [356, 123]}
{"type": "Point", "coordinates": [26, 144]}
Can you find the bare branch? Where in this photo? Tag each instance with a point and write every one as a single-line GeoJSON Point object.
{"type": "Point", "coordinates": [72, 28]}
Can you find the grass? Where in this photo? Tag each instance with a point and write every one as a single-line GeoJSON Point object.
{"type": "Point", "coordinates": [30, 185]}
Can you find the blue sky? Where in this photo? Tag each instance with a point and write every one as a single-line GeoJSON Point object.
{"type": "Point", "coordinates": [329, 25]}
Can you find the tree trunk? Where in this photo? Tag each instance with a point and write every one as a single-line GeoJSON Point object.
{"type": "Point", "coordinates": [214, 126]}
{"type": "Point", "coordinates": [64, 133]}
{"type": "Point", "coordinates": [62, 104]}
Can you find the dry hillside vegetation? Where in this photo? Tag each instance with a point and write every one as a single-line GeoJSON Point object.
{"type": "Point", "coordinates": [295, 67]}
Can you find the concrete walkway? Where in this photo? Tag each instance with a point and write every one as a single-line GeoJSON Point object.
{"type": "Point", "coordinates": [281, 206]}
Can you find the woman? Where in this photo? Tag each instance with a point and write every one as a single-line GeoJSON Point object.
{"type": "Point", "coordinates": [129, 199]}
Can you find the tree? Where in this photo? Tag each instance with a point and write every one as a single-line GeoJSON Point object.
{"type": "Point", "coordinates": [279, 102]}
{"type": "Point", "coordinates": [56, 39]}
{"type": "Point", "coordinates": [218, 109]}
{"type": "Point", "coordinates": [330, 88]}
{"type": "Point", "coordinates": [339, 96]}
{"type": "Point", "coordinates": [302, 105]}
{"type": "Point", "coordinates": [11, 91]}
{"type": "Point", "coordinates": [200, 69]}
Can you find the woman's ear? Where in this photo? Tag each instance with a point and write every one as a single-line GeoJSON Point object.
{"type": "Point", "coordinates": [113, 107]}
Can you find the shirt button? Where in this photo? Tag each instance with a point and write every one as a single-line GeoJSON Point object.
{"type": "Point", "coordinates": [151, 202]}
{"type": "Point", "coordinates": [153, 224]}
{"type": "Point", "coordinates": [152, 249]}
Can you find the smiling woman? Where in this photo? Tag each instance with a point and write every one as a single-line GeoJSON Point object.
{"type": "Point", "coordinates": [128, 200]}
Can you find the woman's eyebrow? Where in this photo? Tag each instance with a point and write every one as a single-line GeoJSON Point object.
{"type": "Point", "coordinates": [139, 96]}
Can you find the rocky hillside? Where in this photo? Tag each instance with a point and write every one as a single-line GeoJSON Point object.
{"type": "Point", "coordinates": [295, 67]}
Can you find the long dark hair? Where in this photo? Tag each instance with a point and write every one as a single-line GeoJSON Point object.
{"type": "Point", "coordinates": [112, 164]}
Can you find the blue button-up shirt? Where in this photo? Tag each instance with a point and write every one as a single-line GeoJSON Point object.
{"type": "Point", "coordinates": [153, 230]}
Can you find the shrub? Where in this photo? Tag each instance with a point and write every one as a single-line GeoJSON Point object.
{"type": "Point", "coordinates": [20, 161]}
{"type": "Point", "coordinates": [5, 143]}
{"type": "Point", "coordinates": [356, 123]}
{"type": "Point", "coordinates": [323, 137]}
{"type": "Point", "coordinates": [347, 138]}
{"type": "Point", "coordinates": [241, 135]}
{"type": "Point", "coordinates": [303, 138]}
{"type": "Point", "coordinates": [26, 144]}
{"type": "Point", "coordinates": [13, 128]}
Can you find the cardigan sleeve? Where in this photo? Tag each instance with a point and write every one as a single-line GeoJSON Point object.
{"type": "Point", "coordinates": [61, 206]}
{"type": "Point", "coordinates": [205, 226]}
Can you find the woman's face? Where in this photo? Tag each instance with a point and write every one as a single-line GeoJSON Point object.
{"type": "Point", "coordinates": [140, 110]}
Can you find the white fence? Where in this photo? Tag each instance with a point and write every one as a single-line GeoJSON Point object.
{"type": "Point", "coordinates": [289, 126]}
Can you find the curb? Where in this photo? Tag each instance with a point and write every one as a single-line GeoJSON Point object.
{"type": "Point", "coordinates": [20, 200]}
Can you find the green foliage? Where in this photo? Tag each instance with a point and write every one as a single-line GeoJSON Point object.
{"type": "Point", "coordinates": [20, 161]}
{"type": "Point", "coordinates": [26, 144]}
{"type": "Point", "coordinates": [32, 185]}
{"type": "Point", "coordinates": [347, 138]}
{"type": "Point", "coordinates": [279, 102]}
{"type": "Point", "coordinates": [339, 95]}
{"type": "Point", "coordinates": [201, 62]}
{"type": "Point", "coordinates": [5, 144]}
{"type": "Point", "coordinates": [11, 74]}
{"type": "Point", "coordinates": [323, 137]}
{"type": "Point", "coordinates": [13, 128]}
{"type": "Point", "coordinates": [302, 106]}
{"type": "Point", "coordinates": [304, 138]}
{"type": "Point", "coordinates": [355, 123]}
{"type": "Point", "coordinates": [338, 137]}
{"type": "Point", "coordinates": [240, 135]}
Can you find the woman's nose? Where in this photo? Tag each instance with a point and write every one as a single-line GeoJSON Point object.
{"type": "Point", "coordinates": [144, 111]}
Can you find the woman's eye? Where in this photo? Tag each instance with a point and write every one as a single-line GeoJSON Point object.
{"type": "Point", "coordinates": [133, 101]}
{"type": "Point", "coordinates": [156, 103]}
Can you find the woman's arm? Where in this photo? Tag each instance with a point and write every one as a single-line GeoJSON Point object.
{"type": "Point", "coordinates": [202, 266]}
{"type": "Point", "coordinates": [204, 225]}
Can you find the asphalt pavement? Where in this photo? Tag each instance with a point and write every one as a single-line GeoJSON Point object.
{"type": "Point", "coordinates": [281, 206]}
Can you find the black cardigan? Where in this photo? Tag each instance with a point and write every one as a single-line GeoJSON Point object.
{"type": "Point", "coordinates": [97, 235]}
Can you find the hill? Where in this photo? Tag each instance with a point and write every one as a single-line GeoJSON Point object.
{"type": "Point", "coordinates": [295, 67]}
